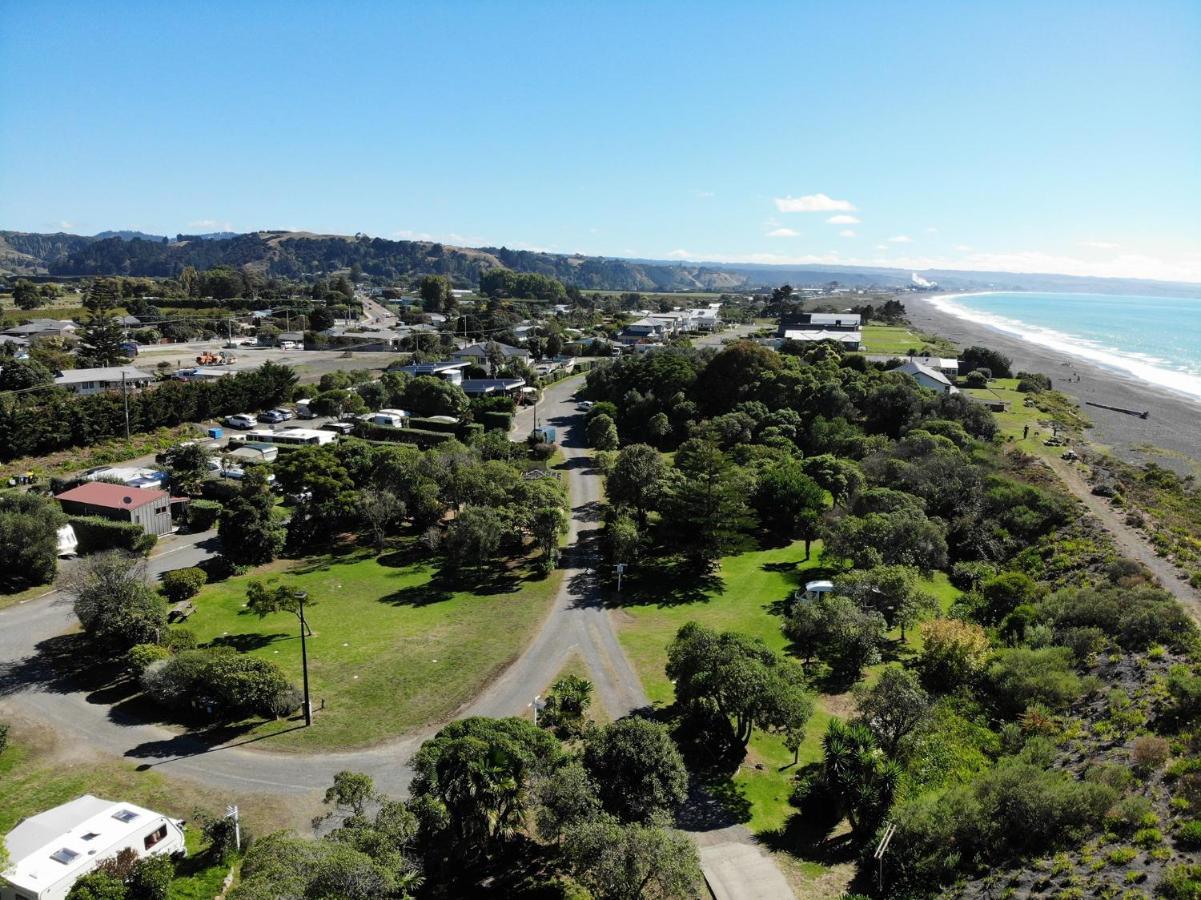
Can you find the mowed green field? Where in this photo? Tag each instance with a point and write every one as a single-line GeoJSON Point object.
{"type": "Point", "coordinates": [751, 598]}
{"type": "Point", "coordinates": [392, 649]}
{"type": "Point", "coordinates": [900, 340]}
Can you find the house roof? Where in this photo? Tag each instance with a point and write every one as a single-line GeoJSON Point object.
{"type": "Point", "coordinates": [916, 368]}
{"type": "Point", "coordinates": [40, 326]}
{"type": "Point", "coordinates": [488, 385]}
{"type": "Point", "coordinates": [430, 368]}
{"type": "Point", "coordinates": [481, 350]}
{"type": "Point", "coordinates": [104, 373]}
{"type": "Point", "coordinates": [817, 334]}
{"type": "Point", "coordinates": [112, 496]}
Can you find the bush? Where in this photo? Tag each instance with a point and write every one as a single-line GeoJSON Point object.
{"type": "Point", "coordinates": [977, 378]}
{"type": "Point", "coordinates": [202, 514]}
{"type": "Point", "coordinates": [1182, 882]}
{"type": "Point", "coordinates": [496, 420]}
{"type": "Point", "coordinates": [1149, 754]}
{"type": "Point", "coordinates": [953, 654]}
{"type": "Point", "coordinates": [1189, 835]}
{"type": "Point", "coordinates": [97, 534]}
{"type": "Point", "coordinates": [222, 683]}
{"type": "Point", "coordinates": [433, 425]}
{"type": "Point", "coordinates": [1020, 677]}
{"type": "Point", "coordinates": [140, 656]}
{"type": "Point", "coordinates": [3, 737]}
{"type": "Point", "coordinates": [1033, 382]}
{"type": "Point", "coordinates": [180, 584]}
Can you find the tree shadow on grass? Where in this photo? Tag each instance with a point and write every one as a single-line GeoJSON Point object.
{"type": "Point", "coordinates": [713, 804]}
{"type": "Point", "coordinates": [244, 643]}
{"type": "Point", "coordinates": [812, 841]}
{"type": "Point", "coordinates": [671, 584]}
{"type": "Point", "coordinates": [481, 582]}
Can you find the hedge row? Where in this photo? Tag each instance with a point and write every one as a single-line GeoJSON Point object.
{"type": "Point", "coordinates": [497, 420]}
{"type": "Point", "coordinates": [419, 436]}
{"type": "Point", "coordinates": [97, 534]}
{"type": "Point", "coordinates": [434, 425]}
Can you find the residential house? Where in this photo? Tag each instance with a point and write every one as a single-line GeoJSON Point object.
{"type": "Point", "coordinates": [927, 377]}
{"type": "Point", "coordinates": [143, 506]}
{"type": "Point", "coordinates": [849, 340]}
{"type": "Point", "coordinates": [820, 322]}
{"type": "Point", "coordinates": [478, 354]}
{"type": "Point", "coordinates": [948, 367]}
{"type": "Point", "coordinates": [486, 387]}
{"type": "Point", "coordinates": [106, 378]}
{"type": "Point", "coordinates": [41, 328]}
{"type": "Point", "coordinates": [51, 850]}
{"type": "Point", "coordinates": [448, 370]}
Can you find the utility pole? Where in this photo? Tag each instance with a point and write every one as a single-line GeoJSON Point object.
{"type": "Point", "coordinates": [304, 659]}
{"type": "Point", "coordinates": [621, 569]}
{"type": "Point", "coordinates": [231, 812]}
{"type": "Point", "coordinates": [125, 396]}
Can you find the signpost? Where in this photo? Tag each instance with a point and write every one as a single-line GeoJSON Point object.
{"type": "Point", "coordinates": [621, 568]}
{"type": "Point", "coordinates": [231, 812]}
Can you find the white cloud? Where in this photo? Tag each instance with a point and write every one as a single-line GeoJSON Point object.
{"type": "Point", "coordinates": [812, 203]}
{"type": "Point", "coordinates": [783, 232]}
{"type": "Point", "coordinates": [1099, 245]}
{"type": "Point", "coordinates": [706, 195]}
{"type": "Point", "coordinates": [64, 226]}
{"type": "Point", "coordinates": [680, 254]}
{"type": "Point", "coordinates": [406, 234]}
{"type": "Point", "coordinates": [931, 230]}
{"type": "Point", "coordinates": [882, 247]}
{"type": "Point", "coordinates": [846, 232]}
{"type": "Point", "coordinates": [963, 248]}
{"type": "Point", "coordinates": [842, 220]}
{"type": "Point", "coordinates": [900, 239]}
{"type": "Point", "coordinates": [210, 225]}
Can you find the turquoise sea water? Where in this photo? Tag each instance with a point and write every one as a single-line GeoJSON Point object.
{"type": "Point", "coordinates": [1154, 339]}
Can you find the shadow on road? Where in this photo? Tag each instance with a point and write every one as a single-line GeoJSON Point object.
{"type": "Point", "coordinates": [198, 743]}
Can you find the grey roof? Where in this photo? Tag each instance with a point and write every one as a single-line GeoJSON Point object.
{"type": "Point", "coordinates": [40, 326]}
{"type": "Point", "coordinates": [430, 368]}
{"type": "Point", "coordinates": [106, 373]}
{"type": "Point", "coordinates": [38, 831]}
{"type": "Point", "coordinates": [481, 350]}
{"type": "Point", "coordinates": [488, 385]}
{"type": "Point", "coordinates": [916, 368]}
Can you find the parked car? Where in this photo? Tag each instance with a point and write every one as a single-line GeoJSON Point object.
{"type": "Point", "coordinates": [288, 345]}
{"type": "Point", "coordinates": [304, 411]}
{"type": "Point", "coordinates": [584, 405]}
{"type": "Point", "coordinates": [273, 416]}
{"type": "Point", "coordinates": [339, 427]}
{"type": "Point", "coordinates": [238, 474]}
{"type": "Point", "coordinates": [245, 421]}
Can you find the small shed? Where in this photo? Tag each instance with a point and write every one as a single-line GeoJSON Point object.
{"type": "Point", "coordinates": [143, 506]}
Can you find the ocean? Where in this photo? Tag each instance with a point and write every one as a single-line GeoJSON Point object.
{"type": "Point", "coordinates": [1154, 339]}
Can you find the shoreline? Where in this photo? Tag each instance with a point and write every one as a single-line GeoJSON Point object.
{"type": "Point", "coordinates": [1173, 427]}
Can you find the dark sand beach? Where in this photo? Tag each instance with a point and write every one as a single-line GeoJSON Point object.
{"type": "Point", "coordinates": [1171, 435]}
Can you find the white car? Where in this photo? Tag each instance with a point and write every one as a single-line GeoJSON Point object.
{"type": "Point", "coordinates": [584, 405]}
{"type": "Point", "coordinates": [245, 421]}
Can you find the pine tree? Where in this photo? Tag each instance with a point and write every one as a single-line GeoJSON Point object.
{"type": "Point", "coordinates": [100, 341]}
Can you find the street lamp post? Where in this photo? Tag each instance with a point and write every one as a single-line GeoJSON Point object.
{"type": "Point", "coordinates": [304, 658]}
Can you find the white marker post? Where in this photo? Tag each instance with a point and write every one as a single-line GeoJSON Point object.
{"type": "Point", "coordinates": [231, 812]}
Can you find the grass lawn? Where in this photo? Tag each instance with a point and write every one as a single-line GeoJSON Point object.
{"type": "Point", "coordinates": [37, 775]}
{"type": "Point", "coordinates": [31, 593]}
{"type": "Point", "coordinates": [748, 596]}
{"type": "Point", "coordinates": [392, 647]}
{"type": "Point", "coordinates": [1018, 417]}
{"type": "Point", "coordinates": [899, 339]}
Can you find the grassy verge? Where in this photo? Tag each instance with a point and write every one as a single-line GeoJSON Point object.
{"type": "Point", "coordinates": [1027, 427]}
{"type": "Point", "coordinates": [393, 647]}
{"type": "Point", "coordinates": [749, 595]}
{"type": "Point", "coordinates": [900, 339]}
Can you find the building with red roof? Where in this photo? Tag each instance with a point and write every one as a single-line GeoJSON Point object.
{"type": "Point", "coordinates": [143, 506]}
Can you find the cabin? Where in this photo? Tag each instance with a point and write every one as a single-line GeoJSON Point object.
{"type": "Point", "coordinates": [84, 382]}
{"type": "Point", "coordinates": [51, 850]}
{"type": "Point", "coordinates": [820, 321]}
{"type": "Point", "coordinates": [285, 437]}
{"type": "Point", "coordinates": [447, 370]}
{"type": "Point", "coordinates": [848, 340]}
{"type": "Point", "coordinates": [142, 506]}
{"type": "Point", "coordinates": [486, 387]}
{"type": "Point", "coordinates": [926, 377]}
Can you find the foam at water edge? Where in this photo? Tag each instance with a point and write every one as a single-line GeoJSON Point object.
{"type": "Point", "coordinates": [1135, 365]}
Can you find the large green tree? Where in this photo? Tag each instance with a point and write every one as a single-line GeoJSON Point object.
{"type": "Point", "coordinates": [248, 529]}
{"type": "Point", "coordinates": [706, 507]}
{"type": "Point", "coordinates": [29, 526]}
{"type": "Point", "coordinates": [633, 861]}
{"type": "Point", "coordinates": [637, 768]}
{"type": "Point", "coordinates": [636, 479]}
{"type": "Point", "coordinates": [114, 603]}
{"type": "Point", "coordinates": [751, 686]}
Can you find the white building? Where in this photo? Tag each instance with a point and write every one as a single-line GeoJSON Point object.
{"type": "Point", "coordinates": [850, 340]}
{"type": "Point", "coordinates": [51, 850]}
{"type": "Point", "coordinates": [927, 377]}
{"type": "Point", "coordinates": [108, 378]}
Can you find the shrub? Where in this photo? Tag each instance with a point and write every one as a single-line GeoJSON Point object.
{"type": "Point", "coordinates": [419, 436]}
{"type": "Point", "coordinates": [953, 654]}
{"type": "Point", "coordinates": [140, 656]}
{"type": "Point", "coordinates": [1019, 677]}
{"type": "Point", "coordinates": [1033, 382]}
{"type": "Point", "coordinates": [977, 378]}
{"type": "Point", "coordinates": [1182, 882]}
{"type": "Point", "coordinates": [1149, 754]}
{"type": "Point", "coordinates": [3, 736]}
{"type": "Point", "coordinates": [180, 584]}
{"type": "Point", "coordinates": [97, 534]}
{"type": "Point", "coordinates": [203, 514]}
{"type": "Point", "coordinates": [493, 420]}
{"type": "Point", "coordinates": [222, 683]}
{"type": "Point", "coordinates": [1189, 835]}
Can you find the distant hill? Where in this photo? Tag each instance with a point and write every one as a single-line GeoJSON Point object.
{"type": "Point", "coordinates": [295, 254]}
{"type": "Point", "coordinates": [131, 235]}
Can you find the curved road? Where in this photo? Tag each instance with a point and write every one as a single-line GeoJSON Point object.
{"type": "Point", "coordinates": [577, 622]}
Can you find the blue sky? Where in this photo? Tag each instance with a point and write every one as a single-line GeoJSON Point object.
{"type": "Point", "coordinates": [1034, 136]}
